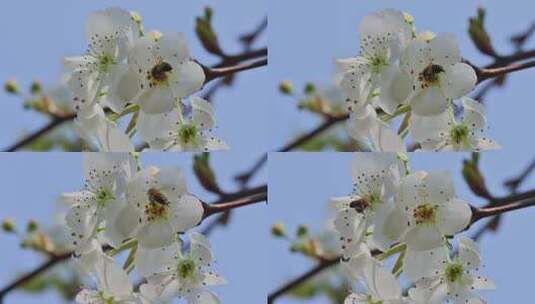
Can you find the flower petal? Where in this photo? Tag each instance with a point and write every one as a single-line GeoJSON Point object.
{"type": "Point", "coordinates": [458, 80]}
{"type": "Point", "coordinates": [454, 217]}
{"type": "Point", "coordinates": [187, 212]}
{"type": "Point", "coordinates": [429, 101]}
{"type": "Point", "coordinates": [155, 235]}
{"type": "Point", "coordinates": [423, 237]}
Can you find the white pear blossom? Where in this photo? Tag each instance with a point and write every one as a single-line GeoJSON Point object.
{"type": "Point", "coordinates": [113, 285]}
{"type": "Point", "coordinates": [382, 287]}
{"type": "Point", "coordinates": [165, 70]}
{"type": "Point", "coordinates": [438, 75]}
{"type": "Point", "coordinates": [443, 133]}
{"type": "Point", "coordinates": [457, 279]}
{"type": "Point", "coordinates": [366, 128]}
{"type": "Point", "coordinates": [375, 178]}
{"type": "Point", "coordinates": [171, 132]}
{"type": "Point", "coordinates": [431, 210]}
{"type": "Point", "coordinates": [110, 34]}
{"type": "Point", "coordinates": [162, 207]}
{"type": "Point", "coordinates": [171, 274]}
{"type": "Point", "coordinates": [97, 130]}
{"type": "Point", "coordinates": [383, 35]}
{"type": "Point", "coordinates": [106, 177]}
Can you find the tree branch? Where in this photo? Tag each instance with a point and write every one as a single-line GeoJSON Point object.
{"type": "Point", "coordinates": [223, 207]}
{"type": "Point", "coordinates": [484, 74]}
{"type": "Point", "coordinates": [214, 73]}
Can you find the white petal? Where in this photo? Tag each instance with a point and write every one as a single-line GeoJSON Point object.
{"type": "Point", "coordinates": [152, 127]}
{"type": "Point", "coordinates": [454, 217]}
{"type": "Point", "coordinates": [173, 47]}
{"type": "Point", "coordinates": [423, 237]}
{"type": "Point", "coordinates": [200, 249]}
{"type": "Point", "coordinates": [429, 101]}
{"type": "Point", "coordinates": [421, 264]}
{"type": "Point", "coordinates": [384, 139]}
{"type": "Point", "coordinates": [481, 282]}
{"type": "Point", "coordinates": [112, 139]}
{"type": "Point", "coordinates": [187, 212]}
{"type": "Point", "coordinates": [389, 224]}
{"type": "Point", "coordinates": [439, 187]}
{"type": "Point", "coordinates": [415, 58]}
{"type": "Point", "coordinates": [156, 235]}
{"type": "Point", "coordinates": [445, 49]}
{"type": "Point", "coordinates": [188, 78]}
{"type": "Point", "coordinates": [156, 100]}
{"type": "Point", "coordinates": [359, 124]}
{"type": "Point", "coordinates": [203, 113]}
{"type": "Point", "coordinates": [382, 283]}
{"type": "Point", "coordinates": [114, 280]}
{"type": "Point", "coordinates": [430, 128]}
{"type": "Point", "coordinates": [204, 297]}
{"type": "Point", "coordinates": [122, 225]}
{"type": "Point", "coordinates": [211, 143]}
{"type": "Point", "coordinates": [393, 227]}
{"type": "Point", "coordinates": [85, 84]}
{"type": "Point", "coordinates": [354, 298]}
{"type": "Point", "coordinates": [458, 80]}
{"type": "Point", "coordinates": [212, 279]}
{"type": "Point", "coordinates": [143, 57]}
{"type": "Point", "coordinates": [171, 182]}
{"type": "Point", "coordinates": [469, 253]}
{"type": "Point", "coordinates": [410, 190]}
{"type": "Point", "coordinates": [150, 262]}
{"type": "Point", "coordinates": [123, 87]}
{"type": "Point", "coordinates": [394, 90]}
{"type": "Point", "coordinates": [86, 296]}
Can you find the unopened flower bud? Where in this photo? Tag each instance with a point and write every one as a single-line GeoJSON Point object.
{"type": "Point", "coordinates": [310, 88]}
{"type": "Point", "coordinates": [302, 231]}
{"type": "Point", "coordinates": [35, 88]}
{"type": "Point", "coordinates": [32, 226]}
{"type": "Point", "coordinates": [8, 225]}
{"type": "Point", "coordinates": [12, 87]}
{"type": "Point", "coordinates": [278, 230]}
{"type": "Point", "coordinates": [286, 87]}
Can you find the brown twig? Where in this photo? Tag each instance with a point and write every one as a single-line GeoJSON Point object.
{"type": "Point", "coordinates": [214, 73]}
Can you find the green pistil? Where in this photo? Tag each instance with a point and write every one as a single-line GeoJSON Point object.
{"type": "Point", "coordinates": [188, 134]}
{"type": "Point", "coordinates": [107, 300]}
{"type": "Point", "coordinates": [454, 273]}
{"type": "Point", "coordinates": [377, 63]}
{"type": "Point", "coordinates": [104, 196]}
{"type": "Point", "coordinates": [104, 63]}
{"type": "Point", "coordinates": [186, 268]}
{"type": "Point", "coordinates": [459, 136]}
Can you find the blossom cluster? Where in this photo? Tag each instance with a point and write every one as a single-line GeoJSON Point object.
{"type": "Point", "coordinates": [419, 75]}
{"type": "Point", "coordinates": [148, 77]}
{"type": "Point", "coordinates": [145, 210]}
{"type": "Point", "coordinates": [416, 214]}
